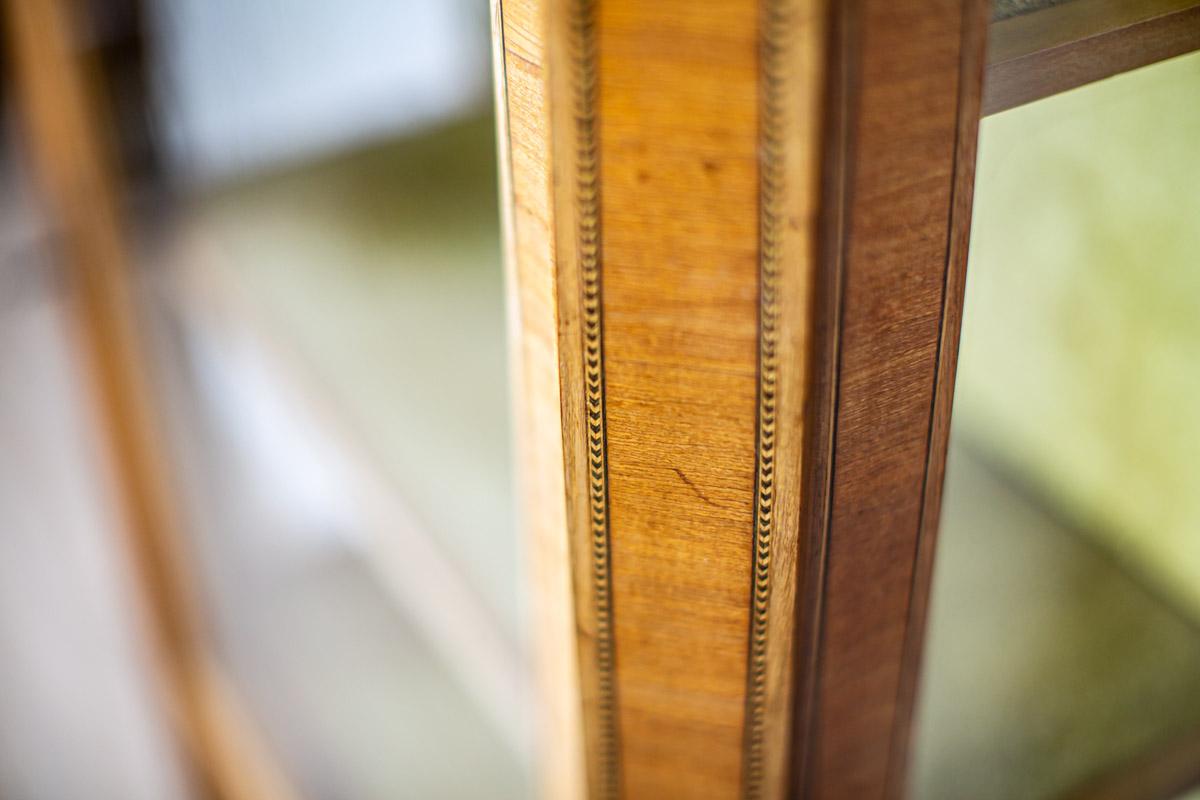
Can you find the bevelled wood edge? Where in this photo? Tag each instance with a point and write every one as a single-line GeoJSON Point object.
{"type": "Point", "coordinates": [897, 100]}
{"type": "Point", "coordinates": [974, 34]}
{"type": "Point", "coordinates": [546, 420]}
{"type": "Point", "coordinates": [820, 415]}
{"type": "Point", "coordinates": [1063, 47]}
{"type": "Point", "coordinates": [791, 79]}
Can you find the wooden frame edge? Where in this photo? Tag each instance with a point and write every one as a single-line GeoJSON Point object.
{"type": "Point", "coordinates": [870, 754]}
{"type": "Point", "coordinates": [969, 114]}
{"type": "Point", "coordinates": [1065, 46]}
{"type": "Point", "coordinates": [521, 45]}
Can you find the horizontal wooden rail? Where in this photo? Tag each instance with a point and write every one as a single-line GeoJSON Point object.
{"type": "Point", "coordinates": [1035, 55]}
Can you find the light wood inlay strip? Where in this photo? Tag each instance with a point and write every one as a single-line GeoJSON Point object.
{"type": "Point", "coordinates": [577, 271]}
{"type": "Point", "coordinates": [792, 54]}
{"type": "Point", "coordinates": [544, 346]}
{"type": "Point", "coordinates": [587, 250]}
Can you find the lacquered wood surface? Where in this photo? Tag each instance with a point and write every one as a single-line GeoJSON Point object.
{"type": "Point", "coordinates": [678, 145]}
{"type": "Point", "coordinates": [657, 262]}
{"type": "Point", "coordinates": [745, 414]}
{"type": "Point", "coordinates": [527, 201]}
{"type": "Point", "coordinates": [907, 71]}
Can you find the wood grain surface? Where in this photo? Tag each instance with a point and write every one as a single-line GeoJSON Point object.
{"type": "Point", "coordinates": [753, 206]}
{"type": "Point", "coordinates": [903, 78]}
{"type": "Point", "coordinates": [971, 72]}
{"type": "Point", "coordinates": [683, 271]}
{"type": "Point", "coordinates": [524, 131]}
{"type": "Point", "coordinates": [678, 134]}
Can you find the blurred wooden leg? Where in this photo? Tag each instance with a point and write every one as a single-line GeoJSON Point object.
{"type": "Point", "coordinates": [72, 159]}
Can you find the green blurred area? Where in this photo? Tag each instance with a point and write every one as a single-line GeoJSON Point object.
{"type": "Point", "coordinates": [379, 271]}
{"type": "Point", "coordinates": [374, 279]}
{"type": "Point", "coordinates": [1080, 362]}
{"type": "Point", "coordinates": [1065, 623]}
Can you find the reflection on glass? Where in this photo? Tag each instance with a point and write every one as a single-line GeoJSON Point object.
{"type": "Point", "coordinates": [1065, 626]}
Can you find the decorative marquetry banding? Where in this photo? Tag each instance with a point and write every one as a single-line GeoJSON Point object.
{"type": "Point", "coordinates": [587, 218]}
{"type": "Point", "coordinates": [774, 19]}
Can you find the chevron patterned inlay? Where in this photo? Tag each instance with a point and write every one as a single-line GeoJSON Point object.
{"type": "Point", "coordinates": [775, 19]}
{"type": "Point", "coordinates": [587, 200]}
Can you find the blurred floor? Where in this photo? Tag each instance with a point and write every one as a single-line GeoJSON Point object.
{"type": "Point", "coordinates": [375, 279]}
{"type": "Point", "coordinates": [340, 322]}
{"type": "Point", "coordinates": [352, 311]}
{"type": "Point", "coordinates": [1065, 633]}
{"type": "Point", "coordinates": [1047, 662]}
{"type": "Point", "coordinates": [1081, 337]}
{"type": "Point", "coordinates": [352, 700]}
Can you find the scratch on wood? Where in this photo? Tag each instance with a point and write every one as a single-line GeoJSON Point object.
{"type": "Point", "coordinates": [694, 487]}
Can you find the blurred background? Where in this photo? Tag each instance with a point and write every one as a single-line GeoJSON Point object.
{"type": "Point", "coordinates": [307, 199]}
{"type": "Point", "coordinates": [278, 223]}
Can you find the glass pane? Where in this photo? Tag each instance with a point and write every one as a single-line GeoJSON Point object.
{"type": "Point", "coordinates": [1065, 626]}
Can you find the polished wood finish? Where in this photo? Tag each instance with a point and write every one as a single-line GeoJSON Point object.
{"type": "Point", "coordinates": [971, 77]}
{"type": "Point", "coordinates": [748, 416]}
{"type": "Point", "coordinates": [654, 193]}
{"type": "Point", "coordinates": [527, 200]}
{"type": "Point", "coordinates": [63, 120]}
{"type": "Point", "coordinates": [908, 88]}
{"type": "Point", "coordinates": [1045, 52]}
{"type": "Point", "coordinates": [678, 144]}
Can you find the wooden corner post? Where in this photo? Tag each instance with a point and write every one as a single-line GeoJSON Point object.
{"type": "Point", "coordinates": [736, 236]}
